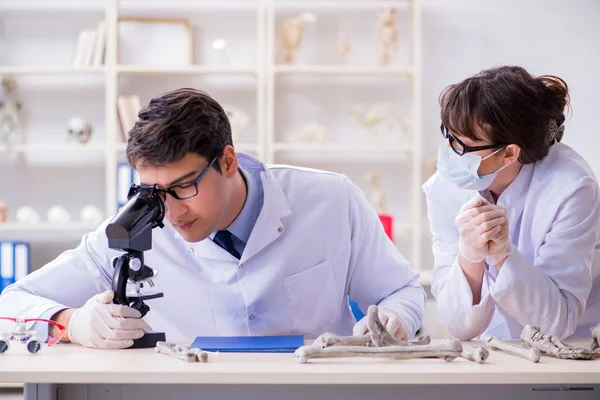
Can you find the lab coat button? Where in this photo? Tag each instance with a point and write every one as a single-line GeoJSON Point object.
{"type": "Point", "coordinates": [280, 229]}
{"type": "Point", "coordinates": [191, 251]}
{"type": "Point", "coordinates": [251, 317]}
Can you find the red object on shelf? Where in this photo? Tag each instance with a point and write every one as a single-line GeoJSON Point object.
{"type": "Point", "coordinates": [388, 225]}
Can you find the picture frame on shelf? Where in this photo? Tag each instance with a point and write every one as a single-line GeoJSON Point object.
{"type": "Point", "coordinates": [150, 42]}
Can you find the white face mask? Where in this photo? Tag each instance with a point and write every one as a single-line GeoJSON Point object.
{"type": "Point", "coordinates": [462, 170]}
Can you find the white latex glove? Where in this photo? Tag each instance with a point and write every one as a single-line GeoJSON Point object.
{"type": "Point", "coordinates": [499, 246]}
{"type": "Point", "coordinates": [390, 319]}
{"type": "Point", "coordinates": [477, 222]}
{"type": "Point", "coordinates": [101, 324]}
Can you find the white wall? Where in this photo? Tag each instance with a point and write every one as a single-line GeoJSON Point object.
{"type": "Point", "coordinates": [462, 37]}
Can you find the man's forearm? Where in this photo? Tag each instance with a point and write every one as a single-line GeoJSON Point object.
{"type": "Point", "coordinates": [62, 317]}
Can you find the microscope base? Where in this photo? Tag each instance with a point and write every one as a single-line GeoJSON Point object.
{"type": "Point", "coordinates": [148, 340]}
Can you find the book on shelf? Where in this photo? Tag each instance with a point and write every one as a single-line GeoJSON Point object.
{"type": "Point", "coordinates": [128, 107]}
{"type": "Point", "coordinates": [14, 262]}
{"type": "Point", "coordinates": [90, 47]}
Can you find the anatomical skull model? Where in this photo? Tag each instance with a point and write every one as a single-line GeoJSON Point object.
{"type": "Point", "coordinates": [57, 215]}
{"type": "Point", "coordinates": [27, 215]}
{"type": "Point", "coordinates": [79, 130]}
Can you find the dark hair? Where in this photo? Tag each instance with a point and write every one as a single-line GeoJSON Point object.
{"type": "Point", "coordinates": [176, 123]}
{"type": "Point", "coordinates": [511, 106]}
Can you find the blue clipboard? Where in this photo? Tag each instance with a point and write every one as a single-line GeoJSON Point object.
{"type": "Point", "coordinates": [249, 344]}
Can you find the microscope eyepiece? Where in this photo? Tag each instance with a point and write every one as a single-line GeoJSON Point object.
{"type": "Point", "coordinates": [131, 228]}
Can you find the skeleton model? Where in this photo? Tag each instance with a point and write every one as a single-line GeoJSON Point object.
{"type": "Point", "coordinates": [312, 132]}
{"type": "Point", "coordinates": [21, 334]}
{"type": "Point", "coordinates": [377, 197]}
{"type": "Point", "coordinates": [79, 129]}
{"type": "Point", "coordinates": [374, 115]}
{"type": "Point", "coordinates": [380, 343]}
{"type": "Point", "coordinates": [551, 345]}
{"type": "Point", "coordinates": [342, 48]}
{"type": "Point", "coordinates": [292, 31]}
{"type": "Point", "coordinates": [238, 120]}
{"type": "Point", "coordinates": [386, 32]}
{"type": "Point", "coordinates": [11, 127]}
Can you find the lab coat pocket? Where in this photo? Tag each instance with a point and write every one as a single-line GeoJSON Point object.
{"type": "Point", "coordinates": [310, 296]}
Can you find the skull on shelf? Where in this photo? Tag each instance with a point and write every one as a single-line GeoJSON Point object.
{"type": "Point", "coordinates": [57, 215]}
{"type": "Point", "coordinates": [91, 215]}
{"type": "Point", "coordinates": [79, 129]}
{"type": "Point", "coordinates": [27, 215]}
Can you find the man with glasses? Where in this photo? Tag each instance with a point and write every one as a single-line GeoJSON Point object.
{"type": "Point", "coordinates": [247, 249]}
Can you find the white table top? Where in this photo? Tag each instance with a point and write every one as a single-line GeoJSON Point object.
{"type": "Point", "coordinates": [67, 363]}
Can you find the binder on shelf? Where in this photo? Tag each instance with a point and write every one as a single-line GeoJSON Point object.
{"type": "Point", "coordinates": [125, 177]}
{"type": "Point", "coordinates": [14, 262]}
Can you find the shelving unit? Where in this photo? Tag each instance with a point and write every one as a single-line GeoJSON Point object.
{"type": "Point", "coordinates": [269, 91]}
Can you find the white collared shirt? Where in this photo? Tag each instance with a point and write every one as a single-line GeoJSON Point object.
{"type": "Point", "coordinates": [552, 277]}
{"type": "Point", "coordinates": [316, 242]}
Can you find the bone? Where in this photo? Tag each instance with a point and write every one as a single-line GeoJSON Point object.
{"type": "Point", "coordinates": [532, 355]}
{"type": "Point", "coordinates": [554, 346]}
{"type": "Point", "coordinates": [447, 349]}
{"type": "Point", "coordinates": [595, 337]}
{"type": "Point", "coordinates": [479, 355]}
{"type": "Point", "coordinates": [181, 352]}
{"type": "Point", "coordinates": [379, 335]}
{"type": "Point", "coordinates": [329, 339]}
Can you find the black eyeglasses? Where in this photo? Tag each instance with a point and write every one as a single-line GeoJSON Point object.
{"type": "Point", "coordinates": [182, 191]}
{"type": "Point", "coordinates": [460, 148]}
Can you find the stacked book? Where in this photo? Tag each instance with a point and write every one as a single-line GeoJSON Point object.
{"type": "Point", "coordinates": [90, 47]}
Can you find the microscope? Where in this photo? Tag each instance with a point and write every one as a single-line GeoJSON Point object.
{"type": "Point", "coordinates": [131, 231]}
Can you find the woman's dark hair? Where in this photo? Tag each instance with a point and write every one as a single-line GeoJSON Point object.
{"type": "Point", "coordinates": [511, 107]}
{"type": "Point", "coordinates": [176, 123]}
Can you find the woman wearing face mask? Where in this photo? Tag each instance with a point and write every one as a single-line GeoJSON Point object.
{"type": "Point", "coordinates": [514, 213]}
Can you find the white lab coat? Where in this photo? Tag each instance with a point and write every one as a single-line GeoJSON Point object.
{"type": "Point", "coordinates": [316, 241]}
{"type": "Point", "coordinates": [552, 277]}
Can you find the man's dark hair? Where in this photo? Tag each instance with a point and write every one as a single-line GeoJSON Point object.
{"type": "Point", "coordinates": [176, 123]}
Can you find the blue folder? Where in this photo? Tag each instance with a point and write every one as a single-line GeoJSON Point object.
{"type": "Point", "coordinates": [249, 344]}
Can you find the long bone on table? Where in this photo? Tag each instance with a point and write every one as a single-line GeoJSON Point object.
{"type": "Point", "coordinates": [446, 349]}
{"type": "Point", "coordinates": [532, 355]}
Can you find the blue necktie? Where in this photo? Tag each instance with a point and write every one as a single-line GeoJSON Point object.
{"type": "Point", "coordinates": [225, 240]}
